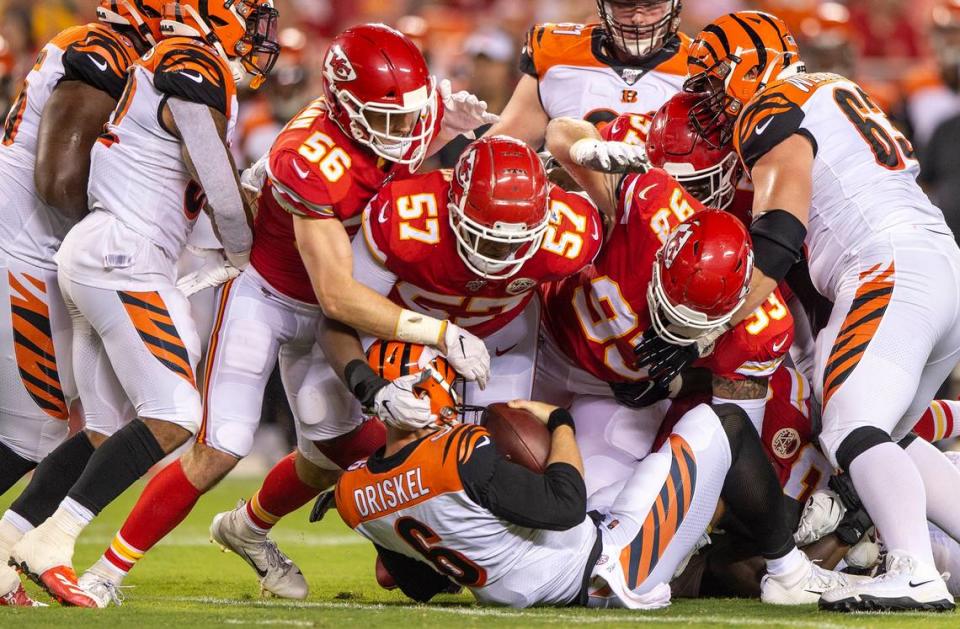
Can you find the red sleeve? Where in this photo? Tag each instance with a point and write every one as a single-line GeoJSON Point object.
{"type": "Point", "coordinates": [757, 346]}
{"type": "Point", "coordinates": [575, 233]}
{"type": "Point", "coordinates": [300, 188]}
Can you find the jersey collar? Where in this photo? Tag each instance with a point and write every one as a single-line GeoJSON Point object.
{"type": "Point", "coordinates": [633, 72]}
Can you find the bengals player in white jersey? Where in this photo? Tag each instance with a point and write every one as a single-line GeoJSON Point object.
{"type": "Point", "coordinates": [135, 342]}
{"type": "Point", "coordinates": [380, 117]}
{"type": "Point", "coordinates": [834, 177]}
{"type": "Point", "coordinates": [633, 61]}
{"type": "Point", "coordinates": [44, 162]}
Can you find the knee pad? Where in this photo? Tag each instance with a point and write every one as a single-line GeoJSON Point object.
{"type": "Point", "coordinates": [858, 442]}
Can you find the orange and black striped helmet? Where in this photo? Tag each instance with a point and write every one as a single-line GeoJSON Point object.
{"type": "Point", "coordinates": [395, 359]}
{"type": "Point", "coordinates": [732, 59]}
{"type": "Point", "coordinates": [143, 16]}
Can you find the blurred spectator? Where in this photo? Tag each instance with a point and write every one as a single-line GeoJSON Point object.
{"type": "Point", "coordinates": [886, 28]}
{"type": "Point", "coordinates": [8, 77]}
{"type": "Point", "coordinates": [932, 90]}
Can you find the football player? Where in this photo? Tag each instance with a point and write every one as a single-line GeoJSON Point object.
{"type": "Point", "coordinates": [377, 120]}
{"type": "Point", "coordinates": [633, 61]}
{"type": "Point", "coordinates": [833, 176]}
{"type": "Point", "coordinates": [160, 161]}
{"type": "Point", "coordinates": [44, 162]}
{"type": "Point", "coordinates": [462, 512]}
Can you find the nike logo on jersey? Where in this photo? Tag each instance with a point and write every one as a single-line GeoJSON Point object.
{"type": "Point", "coordinates": [500, 352]}
{"type": "Point", "coordinates": [596, 232]}
{"type": "Point", "coordinates": [482, 441]}
{"type": "Point", "coordinates": [642, 195]}
{"type": "Point", "coordinates": [763, 127]}
{"type": "Point", "coordinates": [303, 174]}
{"type": "Point", "coordinates": [196, 78]}
{"type": "Point", "coordinates": [382, 217]}
{"type": "Point", "coordinates": [99, 63]}
{"type": "Point", "coordinates": [777, 346]}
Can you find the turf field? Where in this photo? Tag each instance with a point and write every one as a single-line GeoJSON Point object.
{"type": "Point", "coordinates": [187, 582]}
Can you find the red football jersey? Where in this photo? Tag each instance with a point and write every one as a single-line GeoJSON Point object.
{"type": "Point", "coordinates": [407, 229]}
{"type": "Point", "coordinates": [599, 315]}
{"type": "Point", "coordinates": [315, 170]}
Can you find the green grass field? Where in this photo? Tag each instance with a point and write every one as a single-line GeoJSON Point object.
{"type": "Point", "coordinates": [186, 581]}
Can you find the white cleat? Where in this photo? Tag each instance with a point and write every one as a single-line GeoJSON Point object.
{"type": "Point", "coordinates": [278, 574]}
{"type": "Point", "coordinates": [906, 585]}
{"type": "Point", "coordinates": [100, 590]}
{"type": "Point", "coordinates": [803, 586]}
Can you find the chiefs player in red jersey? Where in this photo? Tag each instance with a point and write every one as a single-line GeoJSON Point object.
{"type": "Point", "coordinates": [379, 117]}
{"type": "Point", "coordinates": [44, 165]}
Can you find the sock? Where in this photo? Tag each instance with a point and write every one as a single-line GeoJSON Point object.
{"type": "Point", "coordinates": [118, 463]}
{"type": "Point", "coordinates": [891, 490]}
{"type": "Point", "coordinates": [356, 445]}
{"type": "Point", "coordinates": [55, 474]}
{"type": "Point", "coordinates": [12, 467]}
{"type": "Point", "coordinates": [165, 502]}
{"type": "Point", "coordinates": [937, 422]}
{"type": "Point", "coordinates": [751, 489]}
{"type": "Point", "coordinates": [786, 564]}
{"type": "Point", "coordinates": [70, 519]}
{"type": "Point", "coordinates": [940, 482]}
{"type": "Point", "coordinates": [282, 492]}
{"type": "Point", "coordinates": [10, 534]}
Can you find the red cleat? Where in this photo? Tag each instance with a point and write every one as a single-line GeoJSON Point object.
{"type": "Point", "coordinates": [19, 598]}
{"type": "Point", "coordinates": [60, 582]}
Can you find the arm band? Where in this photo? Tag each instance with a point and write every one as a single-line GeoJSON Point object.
{"type": "Point", "coordinates": [414, 327]}
{"type": "Point", "coordinates": [561, 417]}
{"type": "Point", "coordinates": [363, 381]}
{"type": "Point", "coordinates": [215, 173]}
{"type": "Point", "coordinates": [778, 239]}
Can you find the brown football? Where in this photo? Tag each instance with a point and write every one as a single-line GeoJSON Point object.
{"type": "Point", "coordinates": [518, 436]}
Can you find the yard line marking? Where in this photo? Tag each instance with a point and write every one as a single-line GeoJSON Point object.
{"type": "Point", "coordinates": [530, 615]}
{"type": "Point", "coordinates": [269, 621]}
{"type": "Point", "coordinates": [282, 539]}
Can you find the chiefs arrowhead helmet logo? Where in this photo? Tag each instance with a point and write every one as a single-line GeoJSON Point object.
{"type": "Point", "coordinates": [337, 67]}
{"type": "Point", "coordinates": [679, 238]}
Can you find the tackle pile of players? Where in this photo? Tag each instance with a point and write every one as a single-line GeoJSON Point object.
{"type": "Point", "coordinates": [731, 306]}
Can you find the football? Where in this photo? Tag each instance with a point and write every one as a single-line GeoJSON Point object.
{"type": "Point", "coordinates": [518, 435]}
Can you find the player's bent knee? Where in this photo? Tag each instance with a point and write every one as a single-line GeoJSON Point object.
{"type": "Point", "coordinates": [205, 466]}
{"type": "Point", "coordinates": [318, 476]}
{"type": "Point", "coordinates": [356, 445]}
{"type": "Point", "coordinates": [856, 443]}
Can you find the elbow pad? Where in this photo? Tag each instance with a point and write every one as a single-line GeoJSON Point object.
{"type": "Point", "coordinates": [778, 239]}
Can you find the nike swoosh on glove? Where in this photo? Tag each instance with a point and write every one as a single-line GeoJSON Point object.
{"type": "Point", "coordinates": [462, 112]}
{"type": "Point", "coordinates": [610, 157]}
{"type": "Point", "coordinates": [400, 406]}
{"type": "Point", "coordinates": [640, 394]}
{"type": "Point", "coordinates": [214, 272]}
{"type": "Point", "coordinates": [467, 354]}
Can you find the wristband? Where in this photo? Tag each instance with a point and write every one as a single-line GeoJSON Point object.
{"type": "Point", "coordinates": [363, 381]}
{"type": "Point", "coordinates": [414, 327]}
{"type": "Point", "coordinates": [561, 417]}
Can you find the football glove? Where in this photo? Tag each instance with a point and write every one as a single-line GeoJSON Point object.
{"type": "Point", "coordinates": [253, 178]}
{"type": "Point", "coordinates": [640, 394]}
{"type": "Point", "coordinates": [462, 112]}
{"type": "Point", "coordinates": [856, 521]}
{"type": "Point", "coordinates": [821, 515]}
{"type": "Point", "coordinates": [399, 405]}
{"type": "Point", "coordinates": [609, 157]}
{"type": "Point", "coordinates": [214, 272]}
{"type": "Point", "coordinates": [467, 354]}
{"type": "Point", "coordinates": [664, 360]}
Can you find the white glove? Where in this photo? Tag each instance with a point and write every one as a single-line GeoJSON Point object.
{"type": "Point", "coordinates": [865, 554]}
{"type": "Point", "coordinates": [216, 270]}
{"type": "Point", "coordinates": [399, 406]}
{"type": "Point", "coordinates": [609, 157]}
{"type": "Point", "coordinates": [462, 112]}
{"type": "Point", "coordinates": [253, 178]}
{"type": "Point", "coordinates": [467, 355]}
{"type": "Point", "coordinates": [820, 517]}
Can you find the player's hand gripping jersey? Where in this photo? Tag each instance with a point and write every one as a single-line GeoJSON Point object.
{"type": "Point", "coordinates": [864, 172]}
{"type": "Point", "coordinates": [406, 229]}
{"type": "Point", "coordinates": [93, 54]}
{"type": "Point", "coordinates": [317, 172]}
{"type": "Point", "coordinates": [598, 315]}
{"type": "Point", "coordinates": [578, 79]}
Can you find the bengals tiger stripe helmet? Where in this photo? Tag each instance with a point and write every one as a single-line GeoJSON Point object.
{"type": "Point", "coordinates": [395, 359]}
{"type": "Point", "coordinates": [244, 32]}
{"type": "Point", "coordinates": [143, 16]}
{"type": "Point", "coordinates": [731, 60]}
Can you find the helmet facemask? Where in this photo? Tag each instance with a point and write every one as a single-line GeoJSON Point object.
{"type": "Point", "coordinates": [495, 253]}
{"type": "Point", "coordinates": [259, 49]}
{"type": "Point", "coordinates": [715, 186]}
{"type": "Point", "coordinates": [634, 41]}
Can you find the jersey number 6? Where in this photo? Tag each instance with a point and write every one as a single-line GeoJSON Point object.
{"type": "Point", "coordinates": [422, 539]}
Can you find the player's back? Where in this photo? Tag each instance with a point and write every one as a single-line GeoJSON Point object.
{"type": "Point", "coordinates": [93, 54]}
{"type": "Point", "coordinates": [137, 170]}
{"type": "Point", "coordinates": [315, 171]}
{"type": "Point", "coordinates": [579, 79]}
{"type": "Point", "coordinates": [406, 227]}
{"type": "Point", "coordinates": [864, 171]}
{"type": "Point", "coordinates": [598, 315]}
{"type": "Point", "coordinates": [418, 503]}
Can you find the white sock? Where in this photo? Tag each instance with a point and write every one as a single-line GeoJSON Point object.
{"type": "Point", "coordinates": [891, 490]}
{"type": "Point", "coordinates": [940, 480]}
{"type": "Point", "coordinates": [17, 521]}
{"type": "Point", "coordinates": [71, 518]}
{"type": "Point", "coordinates": [9, 535]}
{"type": "Point", "coordinates": [786, 564]}
{"type": "Point", "coordinates": [106, 570]}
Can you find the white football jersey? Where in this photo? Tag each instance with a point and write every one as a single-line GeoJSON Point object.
{"type": "Point", "coordinates": [864, 172]}
{"type": "Point", "coordinates": [137, 173]}
{"type": "Point", "coordinates": [94, 54]}
{"type": "Point", "coordinates": [579, 79]}
{"type": "Point", "coordinates": [420, 508]}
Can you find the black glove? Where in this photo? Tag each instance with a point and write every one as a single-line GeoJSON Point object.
{"type": "Point", "coordinates": [640, 394]}
{"type": "Point", "coordinates": [664, 361]}
{"type": "Point", "coordinates": [323, 503]}
{"type": "Point", "coordinates": [856, 521]}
